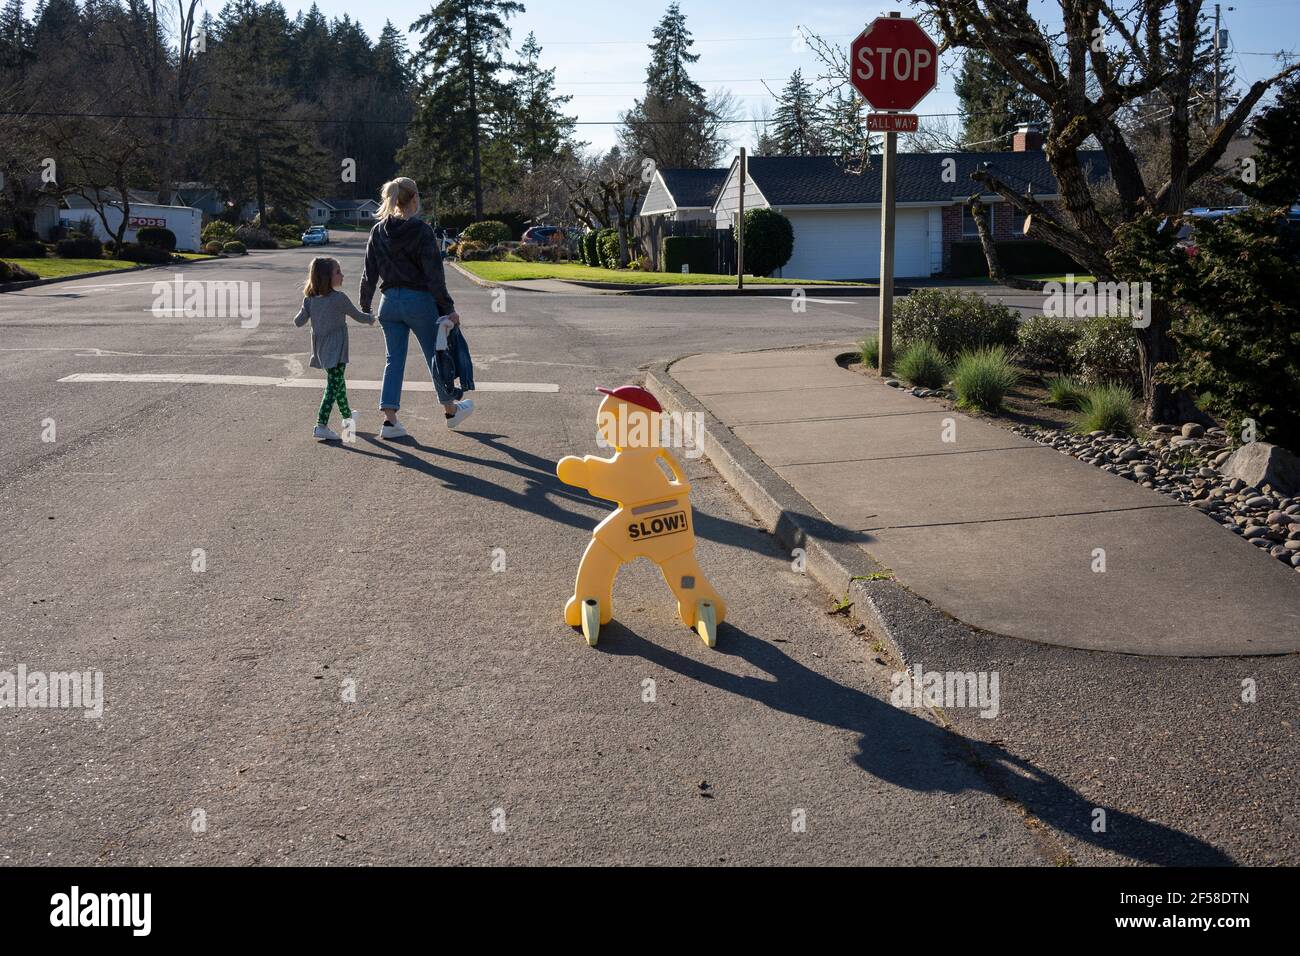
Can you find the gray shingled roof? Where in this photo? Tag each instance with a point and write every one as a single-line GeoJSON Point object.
{"type": "Point", "coordinates": [822, 180]}
{"type": "Point", "coordinates": [694, 187]}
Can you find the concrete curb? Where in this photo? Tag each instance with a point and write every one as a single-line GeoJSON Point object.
{"type": "Point", "coordinates": [842, 568]}
{"type": "Point", "coordinates": [33, 283]}
{"type": "Point", "coordinates": [622, 288]}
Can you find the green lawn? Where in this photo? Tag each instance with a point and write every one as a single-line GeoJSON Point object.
{"type": "Point", "coordinates": [52, 267]}
{"type": "Point", "coordinates": [515, 271]}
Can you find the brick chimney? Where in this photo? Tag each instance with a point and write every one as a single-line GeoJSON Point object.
{"type": "Point", "coordinates": [1027, 138]}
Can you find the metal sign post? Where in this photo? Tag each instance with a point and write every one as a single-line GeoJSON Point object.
{"type": "Point", "coordinates": [894, 64]}
{"type": "Point", "coordinates": [740, 228]}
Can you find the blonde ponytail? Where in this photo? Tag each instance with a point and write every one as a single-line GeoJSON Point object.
{"type": "Point", "coordinates": [396, 194]}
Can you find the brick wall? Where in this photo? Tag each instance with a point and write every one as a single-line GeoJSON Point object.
{"type": "Point", "coordinates": [1006, 226]}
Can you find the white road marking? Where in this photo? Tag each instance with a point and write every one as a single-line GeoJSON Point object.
{"type": "Point", "coordinates": [362, 385]}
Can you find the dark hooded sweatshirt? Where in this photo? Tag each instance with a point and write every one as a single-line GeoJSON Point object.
{"type": "Point", "coordinates": [404, 254]}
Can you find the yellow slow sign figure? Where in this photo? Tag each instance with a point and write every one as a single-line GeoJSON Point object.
{"type": "Point", "coordinates": [653, 518]}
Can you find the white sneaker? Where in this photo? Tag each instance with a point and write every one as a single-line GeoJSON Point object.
{"type": "Point", "coordinates": [325, 433]}
{"type": "Point", "coordinates": [464, 408]}
{"type": "Point", "coordinates": [393, 430]}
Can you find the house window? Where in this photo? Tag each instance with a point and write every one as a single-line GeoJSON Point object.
{"type": "Point", "coordinates": [968, 228]}
{"type": "Point", "coordinates": [1018, 219]}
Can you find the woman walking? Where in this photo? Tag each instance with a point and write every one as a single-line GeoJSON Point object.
{"type": "Point", "coordinates": [404, 261]}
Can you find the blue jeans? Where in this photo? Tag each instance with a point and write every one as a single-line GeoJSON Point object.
{"type": "Point", "coordinates": [401, 312]}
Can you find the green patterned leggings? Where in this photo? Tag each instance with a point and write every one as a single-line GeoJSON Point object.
{"type": "Point", "coordinates": [336, 390]}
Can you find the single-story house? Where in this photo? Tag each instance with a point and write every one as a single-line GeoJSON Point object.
{"type": "Point", "coordinates": [360, 212]}
{"type": "Point", "coordinates": [681, 195]}
{"type": "Point", "coordinates": [202, 196]}
{"type": "Point", "coordinates": [836, 213]}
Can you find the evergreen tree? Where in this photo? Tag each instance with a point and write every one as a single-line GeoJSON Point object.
{"type": "Point", "coordinates": [1277, 161]}
{"type": "Point", "coordinates": [992, 104]}
{"type": "Point", "coordinates": [675, 123]}
{"type": "Point", "coordinates": [540, 126]}
{"type": "Point", "coordinates": [15, 41]}
{"type": "Point", "coordinates": [461, 52]}
{"type": "Point", "coordinates": [799, 127]}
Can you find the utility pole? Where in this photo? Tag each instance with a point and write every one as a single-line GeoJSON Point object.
{"type": "Point", "coordinates": [1217, 53]}
{"type": "Point", "coordinates": [740, 227]}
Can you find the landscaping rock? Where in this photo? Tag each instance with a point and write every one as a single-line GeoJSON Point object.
{"type": "Point", "coordinates": [1193, 430]}
{"type": "Point", "coordinates": [1260, 463]}
{"type": "Point", "coordinates": [893, 383]}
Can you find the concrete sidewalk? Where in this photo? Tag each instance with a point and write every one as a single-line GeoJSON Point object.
{"type": "Point", "coordinates": [996, 530]}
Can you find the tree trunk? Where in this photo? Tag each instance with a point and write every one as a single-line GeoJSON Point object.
{"type": "Point", "coordinates": [1162, 403]}
{"type": "Point", "coordinates": [996, 272]}
{"type": "Point", "coordinates": [257, 173]}
{"type": "Point", "coordinates": [473, 111]}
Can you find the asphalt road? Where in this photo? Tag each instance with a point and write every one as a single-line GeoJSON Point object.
{"type": "Point", "coordinates": [483, 729]}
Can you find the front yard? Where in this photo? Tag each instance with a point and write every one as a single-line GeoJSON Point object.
{"type": "Point", "coordinates": [573, 272]}
{"type": "Point", "coordinates": [52, 267]}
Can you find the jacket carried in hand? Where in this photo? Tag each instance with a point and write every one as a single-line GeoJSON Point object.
{"type": "Point", "coordinates": [404, 254]}
{"type": "Point", "coordinates": [453, 363]}
{"type": "Point", "coordinates": [329, 330]}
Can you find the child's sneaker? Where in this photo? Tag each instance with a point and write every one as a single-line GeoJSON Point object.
{"type": "Point", "coordinates": [325, 433]}
{"type": "Point", "coordinates": [464, 408]}
{"type": "Point", "coordinates": [392, 430]}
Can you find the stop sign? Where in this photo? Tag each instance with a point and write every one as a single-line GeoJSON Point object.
{"type": "Point", "coordinates": [893, 64]}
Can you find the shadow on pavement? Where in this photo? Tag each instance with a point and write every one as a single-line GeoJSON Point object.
{"type": "Point", "coordinates": [543, 487]}
{"type": "Point", "coordinates": [901, 748]}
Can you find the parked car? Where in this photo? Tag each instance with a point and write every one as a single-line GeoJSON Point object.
{"type": "Point", "coordinates": [316, 236]}
{"type": "Point", "coordinates": [542, 235]}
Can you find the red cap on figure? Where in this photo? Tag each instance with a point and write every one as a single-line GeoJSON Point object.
{"type": "Point", "coordinates": [634, 394]}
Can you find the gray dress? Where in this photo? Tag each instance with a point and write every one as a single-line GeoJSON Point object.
{"type": "Point", "coordinates": [329, 330]}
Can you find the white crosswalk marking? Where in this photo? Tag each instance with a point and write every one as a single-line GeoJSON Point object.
{"type": "Point", "coordinates": [361, 385]}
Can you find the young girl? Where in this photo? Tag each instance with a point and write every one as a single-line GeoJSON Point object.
{"type": "Point", "coordinates": [328, 309]}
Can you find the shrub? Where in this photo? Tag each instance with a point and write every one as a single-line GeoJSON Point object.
{"type": "Point", "coordinates": [869, 348]}
{"type": "Point", "coordinates": [1107, 407]}
{"type": "Point", "coordinates": [489, 231]}
{"type": "Point", "coordinates": [1063, 392]}
{"type": "Point", "coordinates": [769, 241]}
{"type": "Point", "coordinates": [1238, 337]}
{"type": "Point", "coordinates": [235, 248]}
{"type": "Point", "coordinates": [529, 253]}
{"type": "Point", "coordinates": [695, 252]}
{"type": "Point", "coordinates": [607, 248]}
{"type": "Point", "coordinates": [13, 272]}
{"type": "Point", "coordinates": [1019, 257]}
{"type": "Point", "coordinates": [218, 230]}
{"type": "Point", "coordinates": [983, 377]}
{"type": "Point", "coordinates": [156, 236]}
{"type": "Point", "coordinates": [921, 363]}
{"type": "Point", "coordinates": [953, 321]}
{"type": "Point", "coordinates": [1044, 343]}
{"type": "Point", "coordinates": [151, 255]}
{"type": "Point", "coordinates": [254, 237]}
{"type": "Point", "coordinates": [590, 255]}
{"type": "Point", "coordinates": [212, 248]}
{"type": "Point", "coordinates": [470, 251]}
{"type": "Point", "coordinates": [82, 247]}
{"type": "Point", "coordinates": [15, 248]}
{"type": "Point", "coordinates": [1106, 350]}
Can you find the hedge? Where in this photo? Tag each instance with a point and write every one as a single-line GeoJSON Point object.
{"type": "Point", "coordinates": [83, 247]}
{"type": "Point", "coordinates": [235, 247]}
{"type": "Point", "coordinates": [589, 256]}
{"type": "Point", "coordinates": [135, 252]}
{"type": "Point", "coordinates": [607, 248]}
{"type": "Point", "coordinates": [769, 241]}
{"type": "Point", "coordinates": [490, 231]}
{"type": "Point", "coordinates": [218, 230]}
{"type": "Point", "coordinates": [156, 236]}
{"type": "Point", "coordinates": [693, 251]}
{"type": "Point", "coordinates": [14, 248]}
{"type": "Point", "coordinates": [953, 321]}
{"type": "Point", "coordinates": [517, 222]}
{"type": "Point", "coordinates": [1022, 257]}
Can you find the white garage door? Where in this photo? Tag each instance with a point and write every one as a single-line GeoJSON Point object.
{"type": "Point", "coordinates": [845, 244]}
